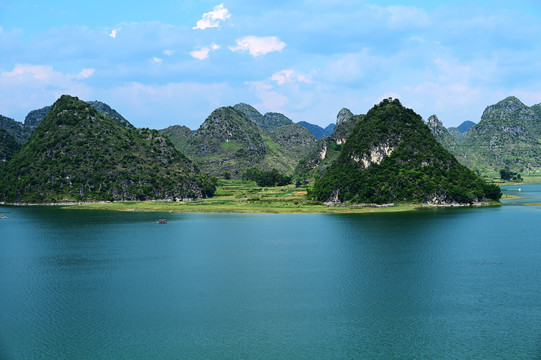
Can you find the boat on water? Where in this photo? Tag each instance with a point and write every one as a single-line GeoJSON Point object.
{"type": "Point", "coordinates": [3, 216]}
{"type": "Point", "coordinates": [161, 221]}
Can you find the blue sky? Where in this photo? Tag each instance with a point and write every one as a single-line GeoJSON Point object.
{"type": "Point", "coordinates": [172, 62]}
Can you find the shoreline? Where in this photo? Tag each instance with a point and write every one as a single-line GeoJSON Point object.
{"type": "Point", "coordinates": [245, 197]}
{"type": "Point", "coordinates": [250, 207]}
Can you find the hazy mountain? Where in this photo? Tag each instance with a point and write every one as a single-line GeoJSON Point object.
{"type": "Point", "coordinates": [465, 126]}
{"type": "Point", "coordinates": [317, 130]}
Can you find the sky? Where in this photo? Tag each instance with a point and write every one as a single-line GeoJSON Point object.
{"type": "Point", "coordinates": [172, 62]}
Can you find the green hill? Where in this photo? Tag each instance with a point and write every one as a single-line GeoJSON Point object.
{"type": "Point", "coordinates": [230, 142]}
{"type": "Point", "coordinates": [19, 131]}
{"type": "Point", "coordinates": [507, 136]}
{"type": "Point", "coordinates": [391, 156]}
{"type": "Point", "coordinates": [77, 154]}
{"type": "Point", "coordinates": [327, 149]}
{"type": "Point", "coordinates": [267, 122]}
{"type": "Point", "coordinates": [442, 135]}
{"type": "Point", "coordinates": [179, 135]}
{"type": "Point", "coordinates": [8, 146]}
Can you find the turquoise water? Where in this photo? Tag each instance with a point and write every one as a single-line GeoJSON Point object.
{"type": "Point", "coordinates": [434, 284]}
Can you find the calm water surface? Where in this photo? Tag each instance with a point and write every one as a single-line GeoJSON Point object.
{"type": "Point", "coordinates": [434, 284]}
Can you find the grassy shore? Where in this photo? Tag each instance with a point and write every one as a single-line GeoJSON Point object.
{"type": "Point", "coordinates": [526, 179]}
{"type": "Point", "coordinates": [236, 196]}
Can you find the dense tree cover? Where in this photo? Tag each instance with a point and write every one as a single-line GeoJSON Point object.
{"type": "Point", "coordinates": [79, 154]}
{"type": "Point", "coordinates": [507, 136]}
{"type": "Point", "coordinates": [266, 177]}
{"type": "Point", "coordinates": [507, 175]}
{"type": "Point", "coordinates": [391, 156]}
{"type": "Point", "coordinates": [8, 146]}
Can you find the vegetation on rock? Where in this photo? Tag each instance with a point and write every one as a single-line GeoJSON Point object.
{"type": "Point", "coordinates": [78, 154]}
{"type": "Point", "coordinates": [229, 142]}
{"type": "Point", "coordinates": [507, 136]}
{"type": "Point", "coordinates": [8, 146]}
{"type": "Point", "coordinates": [391, 156]}
{"type": "Point", "coordinates": [267, 122]}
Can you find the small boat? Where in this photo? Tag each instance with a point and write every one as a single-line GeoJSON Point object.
{"type": "Point", "coordinates": [161, 221]}
{"type": "Point", "coordinates": [3, 216]}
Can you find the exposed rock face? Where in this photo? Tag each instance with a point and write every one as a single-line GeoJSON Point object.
{"type": "Point", "coordinates": [343, 115]}
{"type": "Point", "coordinates": [345, 122]}
{"type": "Point", "coordinates": [375, 156]}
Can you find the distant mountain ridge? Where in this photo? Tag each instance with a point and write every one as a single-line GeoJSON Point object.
{"type": "Point", "coordinates": [317, 130]}
{"type": "Point", "coordinates": [465, 126]}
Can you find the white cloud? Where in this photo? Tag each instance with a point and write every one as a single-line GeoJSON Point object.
{"type": "Point", "coordinates": [28, 87]}
{"type": "Point", "coordinates": [258, 45]}
{"type": "Point", "coordinates": [200, 54]}
{"type": "Point", "coordinates": [270, 100]}
{"type": "Point", "coordinates": [289, 75]}
{"type": "Point", "coordinates": [168, 52]}
{"type": "Point", "coordinates": [113, 33]}
{"type": "Point", "coordinates": [85, 73]}
{"type": "Point", "coordinates": [157, 60]}
{"type": "Point", "coordinates": [212, 18]}
{"type": "Point", "coordinates": [203, 53]}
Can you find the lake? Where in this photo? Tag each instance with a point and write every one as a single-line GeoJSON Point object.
{"type": "Point", "coordinates": [454, 283]}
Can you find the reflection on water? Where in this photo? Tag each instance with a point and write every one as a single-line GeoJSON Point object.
{"type": "Point", "coordinates": [447, 283]}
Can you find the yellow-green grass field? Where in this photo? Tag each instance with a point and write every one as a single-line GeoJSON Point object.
{"type": "Point", "coordinates": [236, 196]}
